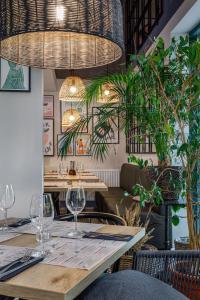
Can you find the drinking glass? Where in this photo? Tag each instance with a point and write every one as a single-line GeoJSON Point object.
{"type": "Point", "coordinates": [7, 200]}
{"type": "Point", "coordinates": [75, 202]}
{"type": "Point", "coordinates": [42, 215]}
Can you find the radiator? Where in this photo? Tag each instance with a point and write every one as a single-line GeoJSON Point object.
{"type": "Point", "coordinates": [109, 176]}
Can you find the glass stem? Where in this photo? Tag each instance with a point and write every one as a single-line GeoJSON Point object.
{"type": "Point", "coordinates": [75, 220]}
{"type": "Point", "coordinates": [5, 218]}
{"type": "Point", "coordinates": [40, 239]}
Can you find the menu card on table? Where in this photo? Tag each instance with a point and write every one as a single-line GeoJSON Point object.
{"type": "Point", "coordinates": [59, 228]}
{"type": "Point", "coordinates": [80, 254]}
{"type": "Point", "coordinates": [5, 236]}
{"type": "Point", "coordinates": [9, 254]}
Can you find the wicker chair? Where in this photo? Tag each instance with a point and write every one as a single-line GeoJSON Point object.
{"type": "Point", "coordinates": [180, 269]}
{"type": "Point", "coordinates": [95, 217]}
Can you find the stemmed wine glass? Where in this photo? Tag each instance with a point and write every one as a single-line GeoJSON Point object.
{"type": "Point", "coordinates": [75, 202]}
{"type": "Point", "coordinates": [42, 215]}
{"type": "Point", "coordinates": [7, 200]}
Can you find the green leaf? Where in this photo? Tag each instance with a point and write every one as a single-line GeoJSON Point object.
{"type": "Point", "coordinates": [175, 220]}
{"type": "Point", "coordinates": [176, 208]}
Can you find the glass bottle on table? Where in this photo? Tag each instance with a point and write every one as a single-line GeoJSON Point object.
{"type": "Point", "coordinates": [42, 215]}
{"type": "Point", "coordinates": [72, 170]}
{"type": "Point", "coordinates": [75, 202]}
{"type": "Point", "coordinates": [7, 200]}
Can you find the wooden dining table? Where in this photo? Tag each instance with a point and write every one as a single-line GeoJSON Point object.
{"type": "Point", "coordinates": [61, 186]}
{"type": "Point", "coordinates": [83, 177]}
{"type": "Point", "coordinates": [50, 282]}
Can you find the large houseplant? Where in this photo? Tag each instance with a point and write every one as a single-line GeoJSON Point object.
{"type": "Point", "coordinates": [161, 91]}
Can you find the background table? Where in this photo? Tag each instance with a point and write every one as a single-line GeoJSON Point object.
{"type": "Point", "coordinates": [82, 177]}
{"type": "Point", "coordinates": [60, 186]}
{"type": "Point", "coordinates": [47, 282]}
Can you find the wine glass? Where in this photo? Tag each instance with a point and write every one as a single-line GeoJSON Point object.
{"type": "Point", "coordinates": [75, 202]}
{"type": "Point", "coordinates": [42, 215]}
{"type": "Point", "coordinates": [7, 200]}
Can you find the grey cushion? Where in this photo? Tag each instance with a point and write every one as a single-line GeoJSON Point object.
{"type": "Point", "coordinates": [130, 285]}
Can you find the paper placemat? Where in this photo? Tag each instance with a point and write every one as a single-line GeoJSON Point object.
{"type": "Point", "coordinates": [5, 236]}
{"type": "Point", "coordinates": [9, 254]}
{"type": "Point", "coordinates": [80, 254]}
{"type": "Point", "coordinates": [60, 228]}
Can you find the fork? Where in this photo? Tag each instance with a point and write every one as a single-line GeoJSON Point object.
{"type": "Point", "coordinates": [24, 259]}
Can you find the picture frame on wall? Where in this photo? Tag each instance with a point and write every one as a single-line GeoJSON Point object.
{"type": "Point", "coordinates": [83, 145]}
{"type": "Point", "coordinates": [109, 133]}
{"type": "Point", "coordinates": [14, 77]}
{"type": "Point", "coordinates": [48, 137]}
{"type": "Point", "coordinates": [74, 108]}
{"type": "Point", "coordinates": [48, 106]}
{"type": "Point", "coordinates": [68, 152]}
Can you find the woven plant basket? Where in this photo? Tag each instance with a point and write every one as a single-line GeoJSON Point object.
{"type": "Point", "coordinates": [169, 175]}
{"type": "Point", "coordinates": [182, 244]}
{"type": "Point", "coordinates": [126, 261]}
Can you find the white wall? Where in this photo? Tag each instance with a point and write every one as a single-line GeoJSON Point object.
{"type": "Point", "coordinates": [21, 158]}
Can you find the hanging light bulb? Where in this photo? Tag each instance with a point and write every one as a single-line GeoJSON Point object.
{"type": "Point", "coordinates": [61, 34]}
{"type": "Point", "coordinates": [71, 117]}
{"type": "Point", "coordinates": [108, 95]}
{"type": "Point", "coordinates": [60, 13]}
{"type": "Point", "coordinates": [72, 89]}
{"type": "Point", "coordinates": [106, 92]}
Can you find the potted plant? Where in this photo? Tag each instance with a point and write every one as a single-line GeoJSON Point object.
{"type": "Point", "coordinates": [162, 94]}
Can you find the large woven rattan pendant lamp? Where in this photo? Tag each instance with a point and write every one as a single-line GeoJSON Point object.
{"type": "Point", "coordinates": [72, 89]}
{"type": "Point", "coordinates": [61, 34]}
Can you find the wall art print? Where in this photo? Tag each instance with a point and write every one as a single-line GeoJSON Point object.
{"type": "Point", "coordinates": [48, 137]}
{"type": "Point", "coordinates": [68, 151]}
{"type": "Point", "coordinates": [83, 145]}
{"type": "Point", "coordinates": [48, 106]}
{"type": "Point", "coordinates": [108, 131]}
{"type": "Point", "coordinates": [13, 77]}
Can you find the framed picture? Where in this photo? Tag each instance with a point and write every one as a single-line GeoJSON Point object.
{"type": "Point", "coordinates": [48, 106]}
{"type": "Point", "coordinates": [83, 145]}
{"type": "Point", "coordinates": [13, 77]}
{"type": "Point", "coordinates": [108, 132]}
{"type": "Point", "coordinates": [77, 110]}
{"type": "Point", "coordinates": [48, 137]}
{"type": "Point", "coordinates": [68, 151]}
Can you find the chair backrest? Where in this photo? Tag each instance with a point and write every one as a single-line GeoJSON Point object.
{"type": "Point", "coordinates": [180, 269]}
{"type": "Point", "coordinates": [95, 217]}
{"type": "Point", "coordinates": [131, 175]}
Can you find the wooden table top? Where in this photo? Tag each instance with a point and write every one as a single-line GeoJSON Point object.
{"type": "Point", "coordinates": [60, 186]}
{"type": "Point", "coordinates": [83, 177]}
{"type": "Point", "coordinates": [48, 282]}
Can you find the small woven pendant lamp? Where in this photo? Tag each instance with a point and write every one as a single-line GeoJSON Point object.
{"type": "Point", "coordinates": [72, 89]}
{"type": "Point", "coordinates": [61, 34]}
{"type": "Point", "coordinates": [108, 95]}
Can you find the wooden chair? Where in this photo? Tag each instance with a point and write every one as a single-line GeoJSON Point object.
{"type": "Point", "coordinates": [95, 217]}
{"type": "Point", "coordinates": [180, 269]}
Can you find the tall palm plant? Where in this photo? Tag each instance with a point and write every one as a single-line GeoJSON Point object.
{"type": "Point", "coordinates": [162, 94]}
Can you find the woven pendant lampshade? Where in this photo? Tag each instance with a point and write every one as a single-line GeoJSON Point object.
{"type": "Point", "coordinates": [108, 95]}
{"type": "Point", "coordinates": [70, 117]}
{"type": "Point", "coordinates": [61, 34]}
{"type": "Point", "coordinates": [72, 89]}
